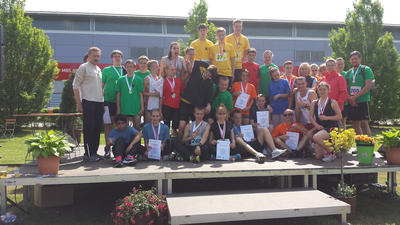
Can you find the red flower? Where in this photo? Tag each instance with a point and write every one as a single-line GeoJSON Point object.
{"type": "Point", "coordinates": [134, 189]}
{"type": "Point", "coordinates": [117, 208]}
{"type": "Point", "coordinates": [133, 221]}
{"type": "Point", "coordinates": [120, 215]}
{"type": "Point", "coordinates": [151, 222]}
{"type": "Point", "coordinates": [147, 214]}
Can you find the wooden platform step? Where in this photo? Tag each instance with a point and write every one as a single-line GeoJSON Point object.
{"type": "Point", "coordinates": [208, 207]}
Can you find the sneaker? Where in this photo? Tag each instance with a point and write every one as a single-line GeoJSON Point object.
{"type": "Point", "coordinates": [329, 158]}
{"type": "Point", "coordinates": [260, 158]}
{"type": "Point", "coordinates": [129, 160]}
{"type": "Point", "coordinates": [197, 158]}
{"type": "Point", "coordinates": [278, 152]}
{"type": "Point", "coordinates": [194, 158]}
{"type": "Point", "coordinates": [85, 158]}
{"type": "Point", "coordinates": [107, 153]}
{"type": "Point", "coordinates": [94, 158]}
{"type": "Point", "coordinates": [118, 162]}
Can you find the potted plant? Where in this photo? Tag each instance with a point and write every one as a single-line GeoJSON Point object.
{"type": "Point", "coordinates": [391, 142]}
{"type": "Point", "coordinates": [140, 207]}
{"type": "Point", "coordinates": [365, 149]}
{"type": "Point", "coordinates": [72, 125]}
{"type": "Point", "coordinates": [47, 148]}
{"type": "Point", "coordinates": [341, 141]}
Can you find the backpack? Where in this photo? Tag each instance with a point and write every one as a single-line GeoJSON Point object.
{"type": "Point", "coordinates": [362, 72]}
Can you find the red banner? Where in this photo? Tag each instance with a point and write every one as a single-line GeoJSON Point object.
{"type": "Point", "coordinates": [67, 68]}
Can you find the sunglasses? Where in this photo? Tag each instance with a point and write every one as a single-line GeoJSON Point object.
{"type": "Point", "coordinates": [288, 114]}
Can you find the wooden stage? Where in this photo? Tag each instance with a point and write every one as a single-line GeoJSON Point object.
{"type": "Point", "coordinates": [74, 171]}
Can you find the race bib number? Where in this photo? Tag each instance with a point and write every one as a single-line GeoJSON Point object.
{"type": "Point", "coordinates": [195, 141]}
{"type": "Point", "coordinates": [238, 55]}
{"type": "Point", "coordinates": [355, 90]}
{"type": "Point", "coordinates": [221, 58]}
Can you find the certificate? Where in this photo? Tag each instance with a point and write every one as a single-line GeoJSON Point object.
{"type": "Point", "coordinates": [263, 119]}
{"type": "Point", "coordinates": [247, 131]}
{"type": "Point", "coordinates": [241, 101]}
{"type": "Point", "coordinates": [223, 149]}
{"type": "Point", "coordinates": [106, 116]}
{"type": "Point", "coordinates": [293, 140]}
{"type": "Point", "coordinates": [155, 150]}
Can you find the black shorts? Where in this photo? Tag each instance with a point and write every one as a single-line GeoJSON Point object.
{"type": "Point", "coordinates": [112, 107]}
{"type": "Point", "coordinates": [238, 73]}
{"type": "Point", "coordinates": [345, 111]}
{"type": "Point", "coordinates": [360, 112]}
{"type": "Point", "coordinates": [186, 111]}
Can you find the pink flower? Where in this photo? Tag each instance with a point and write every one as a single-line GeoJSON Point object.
{"type": "Point", "coordinates": [152, 200]}
{"type": "Point", "coordinates": [120, 215]}
{"type": "Point", "coordinates": [128, 204]}
{"type": "Point", "coordinates": [147, 214]}
{"type": "Point", "coordinates": [133, 221]}
{"type": "Point", "coordinates": [117, 208]}
{"type": "Point", "coordinates": [151, 222]}
{"type": "Point", "coordinates": [134, 189]}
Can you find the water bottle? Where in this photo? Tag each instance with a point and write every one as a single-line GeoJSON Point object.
{"type": "Point", "coordinates": [233, 158]}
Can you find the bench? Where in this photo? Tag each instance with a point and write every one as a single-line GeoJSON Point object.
{"type": "Point", "coordinates": [209, 207]}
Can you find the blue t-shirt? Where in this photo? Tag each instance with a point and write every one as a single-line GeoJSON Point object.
{"type": "Point", "coordinates": [236, 130]}
{"type": "Point", "coordinates": [279, 87]}
{"type": "Point", "coordinates": [128, 134]}
{"type": "Point", "coordinates": [149, 134]}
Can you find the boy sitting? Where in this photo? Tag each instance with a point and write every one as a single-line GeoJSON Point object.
{"type": "Point", "coordinates": [126, 142]}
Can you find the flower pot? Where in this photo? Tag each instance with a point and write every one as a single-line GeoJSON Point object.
{"type": "Point", "coordinates": [75, 134]}
{"type": "Point", "coordinates": [353, 204]}
{"type": "Point", "coordinates": [393, 156]}
{"type": "Point", "coordinates": [49, 165]}
{"type": "Point", "coordinates": [365, 153]}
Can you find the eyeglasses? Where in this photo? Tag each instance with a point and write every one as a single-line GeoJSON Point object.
{"type": "Point", "coordinates": [288, 114]}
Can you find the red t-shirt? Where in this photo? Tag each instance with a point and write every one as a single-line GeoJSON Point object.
{"type": "Point", "coordinates": [338, 85]}
{"type": "Point", "coordinates": [167, 92]}
{"type": "Point", "coordinates": [253, 68]}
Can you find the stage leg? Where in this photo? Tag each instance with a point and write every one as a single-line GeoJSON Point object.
{"type": "Point", "coordinates": [169, 186]}
{"type": "Point", "coordinates": [389, 182]}
{"type": "Point", "coordinates": [3, 193]}
{"type": "Point", "coordinates": [394, 182]}
{"type": "Point", "coordinates": [159, 187]}
{"type": "Point", "coordinates": [314, 181]}
{"type": "Point", "coordinates": [306, 181]}
{"type": "Point", "coordinates": [289, 182]}
{"type": "Point", "coordinates": [344, 218]}
{"type": "Point", "coordinates": [27, 196]}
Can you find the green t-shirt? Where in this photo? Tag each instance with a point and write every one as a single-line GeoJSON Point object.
{"type": "Point", "coordinates": [141, 75]}
{"type": "Point", "coordinates": [265, 78]}
{"type": "Point", "coordinates": [223, 98]}
{"type": "Point", "coordinates": [130, 103]}
{"type": "Point", "coordinates": [109, 79]}
{"type": "Point", "coordinates": [359, 83]}
{"type": "Point", "coordinates": [343, 73]}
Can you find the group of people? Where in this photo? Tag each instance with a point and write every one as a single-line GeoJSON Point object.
{"type": "Point", "coordinates": [216, 102]}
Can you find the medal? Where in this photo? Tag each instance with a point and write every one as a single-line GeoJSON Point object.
{"type": "Point", "coordinates": [119, 74]}
{"type": "Point", "coordinates": [173, 95]}
{"type": "Point", "coordinates": [222, 131]}
{"type": "Point", "coordinates": [321, 108]}
{"type": "Point", "coordinates": [172, 84]}
{"type": "Point", "coordinates": [355, 74]}
{"type": "Point", "coordinates": [130, 86]}
{"type": "Point", "coordinates": [156, 135]}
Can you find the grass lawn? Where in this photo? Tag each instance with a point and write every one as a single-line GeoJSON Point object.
{"type": "Point", "coordinates": [93, 203]}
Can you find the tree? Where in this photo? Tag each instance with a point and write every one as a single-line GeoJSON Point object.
{"type": "Point", "coordinates": [198, 15]}
{"type": "Point", "coordinates": [29, 69]}
{"type": "Point", "coordinates": [363, 32]}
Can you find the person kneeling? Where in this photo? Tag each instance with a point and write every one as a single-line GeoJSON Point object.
{"type": "Point", "coordinates": [126, 142]}
{"type": "Point", "coordinates": [157, 137]}
{"type": "Point", "coordinates": [193, 146]}
{"type": "Point", "coordinates": [290, 140]}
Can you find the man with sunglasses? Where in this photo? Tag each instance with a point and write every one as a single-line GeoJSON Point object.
{"type": "Point", "coordinates": [288, 125]}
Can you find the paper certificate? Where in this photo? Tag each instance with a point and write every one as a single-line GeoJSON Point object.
{"type": "Point", "coordinates": [293, 140]}
{"type": "Point", "coordinates": [223, 149]}
{"type": "Point", "coordinates": [106, 116]}
{"type": "Point", "coordinates": [155, 151]}
{"type": "Point", "coordinates": [247, 131]}
{"type": "Point", "coordinates": [241, 101]}
{"type": "Point", "coordinates": [263, 119]}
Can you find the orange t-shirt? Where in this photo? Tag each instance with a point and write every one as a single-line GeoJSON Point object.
{"type": "Point", "coordinates": [282, 128]}
{"type": "Point", "coordinates": [290, 80]}
{"type": "Point", "coordinates": [251, 90]}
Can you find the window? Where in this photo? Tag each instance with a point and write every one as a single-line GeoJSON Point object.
{"type": "Point", "coordinates": [267, 29]}
{"type": "Point", "coordinates": [314, 30]}
{"type": "Point", "coordinates": [152, 53]}
{"type": "Point", "coordinates": [128, 25]}
{"type": "Point", "coordinates": [61, 23]}
{"type": "Point", "coordinates": [175, 28]}
{"type": "Point", "coordinates": [309, 56]}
